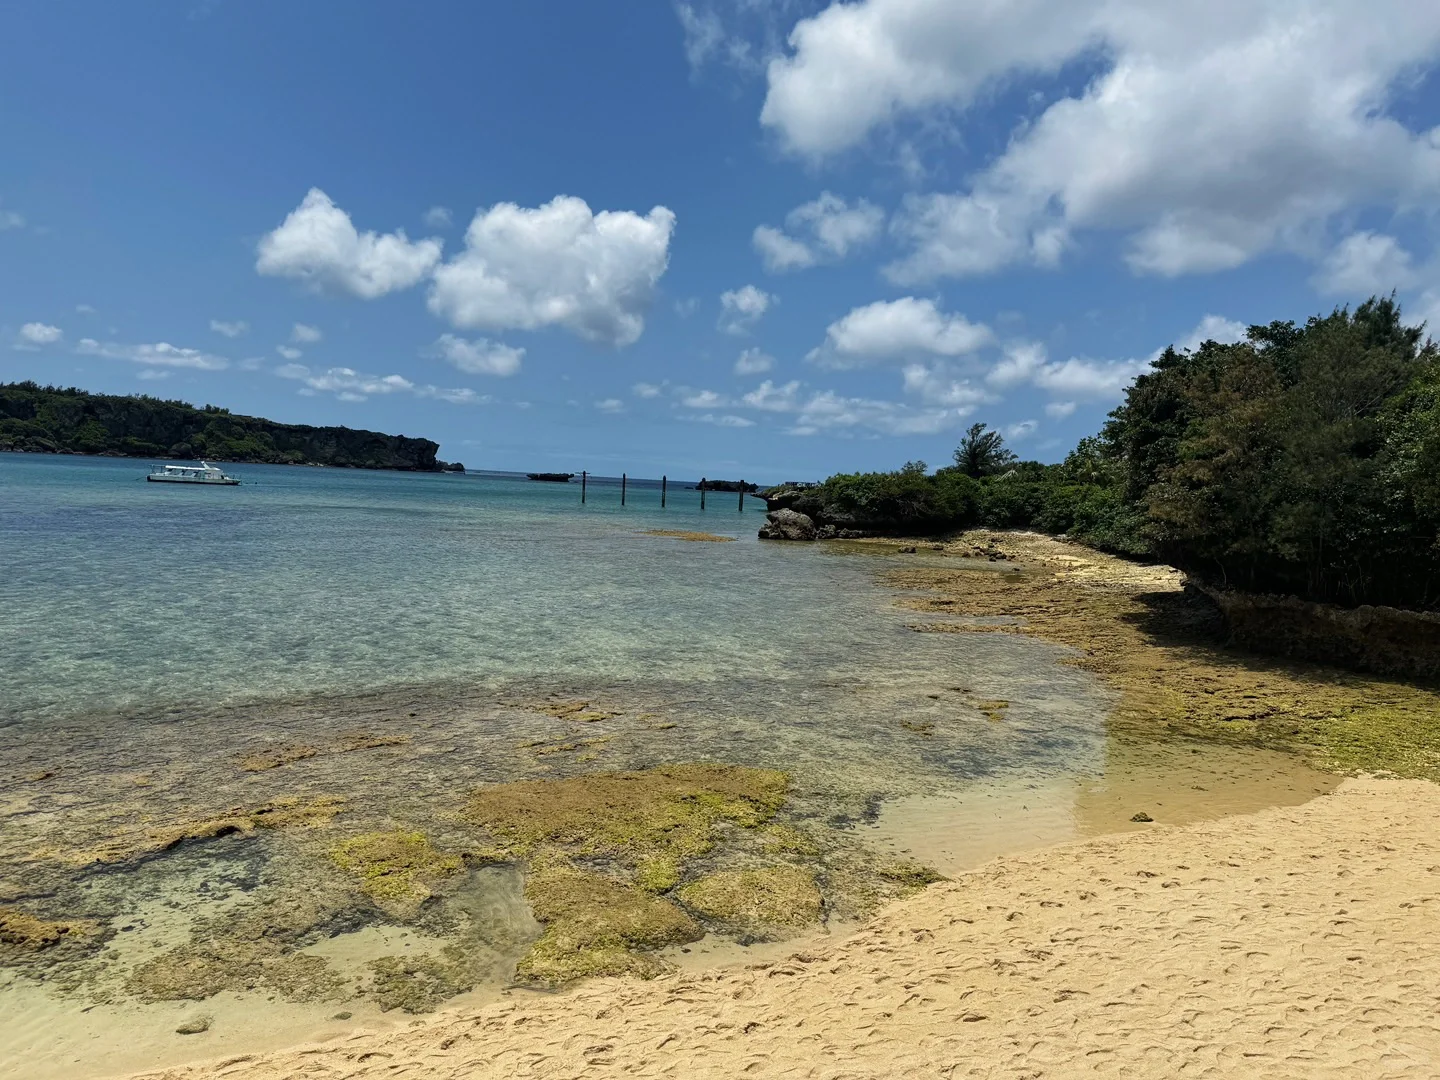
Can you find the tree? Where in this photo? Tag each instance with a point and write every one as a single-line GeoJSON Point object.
{"type": "Point", "coordinates": [982, 453]}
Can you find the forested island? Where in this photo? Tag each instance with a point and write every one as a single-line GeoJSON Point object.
{"type": "Point", "coordinates": [1301, 463]}
{"type": "Point", "coordinates": [48, 419]}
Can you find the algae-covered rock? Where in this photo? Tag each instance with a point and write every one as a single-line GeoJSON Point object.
{"type": "Point", "coordinates": [671, 810]}
{"type": "Point", "coordinates": [396, 868]}
{"type": "Point", "coordinates": [415, 984]}
{"type": "Point", "coordinates": [774, 896]}
{"type": "Point", "coordinates": [595, 925]}
{"type": "Point", "coordinates": [914, 875]}
{"type": "Point", "coordinates": [25, 931]}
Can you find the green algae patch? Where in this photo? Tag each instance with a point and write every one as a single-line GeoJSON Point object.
{"type": "Point", "coordinates": [670, 811]}
{"type": "Point", "coordinates": [415, 984]}
{"type": "Point", "coordinates": [692, 537]}
{"type": "Point", "coordinates": [910, 874]}
{"type": "Point", "coordinates": [595, 925]}
{"type": "Point", "coordinates": [396, 868]}
{"type": "Point", "coordinates": [20, 929]}
{"type": "Point", "coordinates": [774, 896]}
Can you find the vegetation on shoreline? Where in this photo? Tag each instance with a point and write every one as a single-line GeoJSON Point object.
{"type": "Point", "coordinates": [1301, 461]}
{"type": "Point", "coordinates": [48, 419]}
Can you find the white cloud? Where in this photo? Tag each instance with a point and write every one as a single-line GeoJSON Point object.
{"type": "Point", "coordinates": [152, 374]}
{"type": "Point", "coordinates": [753, 362]}
{"type": "Point", "coordinates": [742, 308]}
{"type": "Point", "coordinates": [896, 330]}
{"type": "Point", "coordinates": [162, 354]}
{"type": "Point", "coordinates": [685, 308]}
{"type": "Point", "coordinates": [829, 411]}
{"type": "Point", "coordinates": [823, 230]}
{"type": "Point", "coordinates": [722, 420]}
{"type": "Point", "coordinates": [229, 329]}
{"type": "Point", "coordinates": [252, 363]}
{"type": "Point", "coordinates": [33, 335]}
{"type": "Point", "coordinates": [610, 405]}
{"type": "Point", "coordinates": [1213, 328]}
{"type": "Point", "coordinates": [1364, 264]}
{"type": "Point", "coordinates": [1221, 131]}
{"type": "Point", "coordinates": [1085, 379]}
{"type": "Point", "coordinates": [556, 265]}
{"type": "Point", "coordinates": [347, 384]}
{"type": "Point", "coordinates": [645, 390]}
{"type": "Point", "coordinates": [771, 398]}
{"type": "Point", "coordinates": [319, 244]}
{"type": "Point", "coordinates": [437, 217]}
{"type": "Point", "coordinates": [289, 352]}
{"type": "Point", "coordinates": [481, 356]}
{"type": "Point", "coordinates": [86, 309]}
{"type": "Point", "coordinates": [935, 384]}
{"type": "Point", "coordinates": [703, 399]}
{"type": "Point", "coordinates": [1021, 429]}
{"type": "Point", "coordinates": [9, 219]}
{"type": "Point", "coordinates": [305, 335]}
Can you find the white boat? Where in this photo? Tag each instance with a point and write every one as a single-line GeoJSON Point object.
{"type": "Point", "coordinates": [204, 473]}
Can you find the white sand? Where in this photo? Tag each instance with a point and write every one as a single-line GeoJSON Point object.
{"type": "Point", "coordinates": [1300, 941]}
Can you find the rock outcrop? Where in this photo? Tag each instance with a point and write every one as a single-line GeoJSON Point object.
{"type": "Point", "coordinates": [787, 525]}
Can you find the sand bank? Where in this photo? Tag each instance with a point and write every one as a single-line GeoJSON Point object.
{"type": "Point", "coordinates": [1294, 942]}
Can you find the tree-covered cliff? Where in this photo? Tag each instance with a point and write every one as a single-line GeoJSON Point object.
{"type": "Point", "coordinates": [49, 419]}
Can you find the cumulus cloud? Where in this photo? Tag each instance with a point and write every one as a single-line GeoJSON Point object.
{"type": "Point", "coordinates": [556, 265]}
{"type": "Point", "coordinates": [1212, 135]}
{"type": "Point", "coordinates": [33, 335]}
{"type": "Point", "coordinates": [1363, 264]}
{"type": "Point", "coordinates": [646, 390]}
{"type": "Point", "coordinates": [305, 335]}
{"type": "Point", "coordinates": [729, 420]}
{"type": "Point", "coordinates": [610, 405]}
{"type": "Point", "coordinates": [936, 384]}
{"type": "Point", "coordinates": [481, 356]}
{"type": "Point", "coordinates": [702, 399]}
{"type": "Point", "coordinates": [319, 244]}
{"type": "Point", "coordinates": [437, 217]}
{"type": "Point", "coordinates": [161, 354]}
{"type": "Point", "coordinates": [229, 329]}
{"type": "Point", "coordinates": [347, 384]}
{"type": "Point", "coordinates": [771, 398]}
{"type": "Point", "coordinates": [86, 309]}
{"type": "Point", "coordinates": [823, 230]}
{"type": "Point", "coordinates": [742, 308]}
{"type": "Point", "coordinates": [1085, 379]}
{"type": "Point", "coordinates": [289, 352]}
{"type": "Point", "coordinates": [1021, 429]}
{"type": "Point", "coordinates": [753, 362]}
{"type": "Point", "coordinates": [10, 219]}
{"type": "Point", "coordinates": [896, 330]}
{"type": "Point", "coordinates": [832, 412]}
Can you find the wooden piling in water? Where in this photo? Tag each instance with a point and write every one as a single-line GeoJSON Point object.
{"type": "Point", "coordinates": [583, 476]}
{"type": "Point", "coordinates": [622, 489]}
{"type": "Point", "coordinates": [662, 493]}
{"type": "Point", "coordinates": [742, 496]}
{"type": "Point", "coordinates": [702, 493]}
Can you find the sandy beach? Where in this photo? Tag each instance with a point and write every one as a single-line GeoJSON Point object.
{"type": "Point", "coordinates": [1293, 942]}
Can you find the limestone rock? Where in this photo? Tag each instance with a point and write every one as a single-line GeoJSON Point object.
{"type": "Point", "coordinates": [787, 525]}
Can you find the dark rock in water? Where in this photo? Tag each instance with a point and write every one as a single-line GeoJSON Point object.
{"type": "Point", "coordinates": [787, 525]}
{"type": "Point", "coordinates": [194, 1026]}
{"type": "Point", "coordinates": [826, 532]}
{"type": "Point", "coordinates": [452, 466]}
{"type": "Point", "coordinates": [1142, 816]}
{"type": "Point", "coordinates": [551, 477]}
{"type": "Point", "coordinates": [908, 550]}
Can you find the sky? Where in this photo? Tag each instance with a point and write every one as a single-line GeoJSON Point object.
{"type": "Point", "coordinates": [770, 239]}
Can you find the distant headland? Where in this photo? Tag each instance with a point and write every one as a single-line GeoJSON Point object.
{"type": "Point", "coordinates": [48, 419]}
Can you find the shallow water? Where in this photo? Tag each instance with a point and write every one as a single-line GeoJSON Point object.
{"type": "Point", "coordinates": [154, 637]}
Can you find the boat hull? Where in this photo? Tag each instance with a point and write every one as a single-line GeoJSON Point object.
{"type": "Point", "coordinates": [228, 481]}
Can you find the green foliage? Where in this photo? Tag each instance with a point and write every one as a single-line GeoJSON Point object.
{"type": "Point", "coordinates": [982, 453]}
{"type": "Point", "coordinates": [52, 420]}
{"type": "Point", "coordinates": [1300, 461]}
{"type": "Point", "coordinates": [906, 502]}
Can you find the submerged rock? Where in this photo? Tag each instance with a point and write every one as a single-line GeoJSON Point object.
{"type": "Point", "coordinates": [772, 897]}
{"type": "Point", "coordinates": [787, 525]}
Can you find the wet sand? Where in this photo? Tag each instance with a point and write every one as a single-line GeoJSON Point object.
{"type": "Point", "coordinates": [1294, 942]}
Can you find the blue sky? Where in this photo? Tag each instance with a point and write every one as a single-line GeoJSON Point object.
{"type": "Point", "coordinates": [768, 238]}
